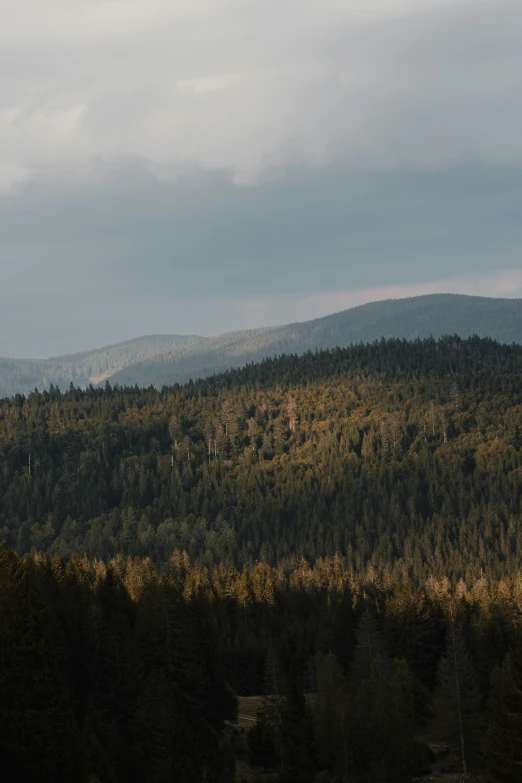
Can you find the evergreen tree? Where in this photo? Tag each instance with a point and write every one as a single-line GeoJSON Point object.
{"type": "Point", "coordinates": [167, 747]}
{"type": "Point", "coordinates": [331, 716]}
{"type": "Point", "coordinates": [274, 700]}
{"type": "Point", "coordinates": [457, 718]}
{"type": "Point", "coordinates": [505, 739]}
{"type": "Point", "coordinates": [296, 736]}
{"type": "Point", "coordinates": [381, 702]}
{"type": "Point", "coordinates": [38, 736]}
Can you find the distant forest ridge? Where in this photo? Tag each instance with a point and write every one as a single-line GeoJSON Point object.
{"type": "Point", "coordinates": [160, 360]}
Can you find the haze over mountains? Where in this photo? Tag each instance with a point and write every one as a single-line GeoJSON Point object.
{"type": "Point", "coordinates": [166, 359]}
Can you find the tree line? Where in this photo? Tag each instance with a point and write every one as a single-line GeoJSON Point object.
{"type": "Point", "coordinates": [117, 671]}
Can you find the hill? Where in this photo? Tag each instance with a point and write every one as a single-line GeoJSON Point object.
{"type": "Point", "coordinates": [422, 316]}
{"type": "Point", "coordinates": [164, 360]}
{"type": "Point", "coordinates": [22, 376]}
{"type": "Point", "coordinates": [340, 530]}
{"type": "Point", "coordinates": [373, 451]}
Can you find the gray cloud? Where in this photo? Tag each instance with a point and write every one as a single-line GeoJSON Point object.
{"type": "Point", "coordinates": [246, 86]}
{"type": "Point", "coordinates": [123, 253]}
{"type": "Point", "coordinates": [194, 167]}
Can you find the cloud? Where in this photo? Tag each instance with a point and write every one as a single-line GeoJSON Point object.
{"type": "Point", "coordinates": [112, 252]}
{"type": "Point", "coordinates": [12, 176]}
{"type": "Point", "coordinates": [253, 87]}
{"type": "Point", "coordinates": [164, 162]}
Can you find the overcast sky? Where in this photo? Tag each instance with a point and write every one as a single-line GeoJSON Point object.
{"type": "Point", "coordinates": [205, 165]}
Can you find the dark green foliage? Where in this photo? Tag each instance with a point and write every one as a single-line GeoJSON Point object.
{"type": "Point", "coordinates": [37, 732]}
{"type": "Point", "coordinates": [297, 738]}
{"type": "Point", "coordinates": [380, 465]}
{"type": "Point", "coordinates": [165, 744]}
{"type": "Point", "coordinates": [262, 750]}
{"type": "Point", "coordinates": [458, 720]}
{"type": "Point", "coordinates": [382, 710]}
{"type": "Point", "coordinates": [352, 515]}
{"type": "Point", "coordinates": [505, 740]}
{"type": "Point", "coordinates": [332, 710]}
{"type": "Point", "coordinates": [113, 671]}
{"type": "Point", "coordinates": [95, 685]}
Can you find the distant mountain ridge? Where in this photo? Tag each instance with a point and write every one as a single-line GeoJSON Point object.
{"type": "Point", "coordinates": [166, 359]}
{"type": "Point", "coordinates": [21, 376]}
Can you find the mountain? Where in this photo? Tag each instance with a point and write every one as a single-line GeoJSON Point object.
{"type": "Point", "coordinates": [164, 360]}
{"type": "Point", "coordinates": [91, 367]}
{"type": "Point", "coordinates": [418, 317]}
{"type": "Point", "coordinates": [416, 446]}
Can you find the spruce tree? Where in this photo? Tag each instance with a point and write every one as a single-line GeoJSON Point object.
{"type": "Point", "coordinates": [457, 716]}
{"type": "Point", "coordinates": [331, 717]}
{"type": "Point", "coordinates": [505, 738]}
{"type": "Point", "coordinates": [381, 707]}
{"type": "Point", "coordinates": [38, 736]}
{"type": "Point", "coordinates": [297, 735]}
{"type": "Point", "coordinates": [165, 739]}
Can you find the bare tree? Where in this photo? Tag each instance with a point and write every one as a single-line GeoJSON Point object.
{"type": "Point", "coordinates": [455, 396]}
{"type": "Point", "coordinates": [444, 424]}
{"type": "Point", "coordinates": [293, 419]}
{"type": "Point", "coordinates": [433, 417]}
{"type": "Point", "coordinates": [252, 432]}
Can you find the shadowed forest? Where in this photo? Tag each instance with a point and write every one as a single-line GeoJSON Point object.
{"type": "Point", "coordinates": [117, 672]}
{"type": "Point", "coordinates": [337, 533]}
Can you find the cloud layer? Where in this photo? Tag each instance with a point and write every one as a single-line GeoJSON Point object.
{"type": "Point", "coordinates": [253, 86]}
{"type": "Point", "coordinates": [120, 253]}
{"type": "Point", "coordinates": [174, 166]}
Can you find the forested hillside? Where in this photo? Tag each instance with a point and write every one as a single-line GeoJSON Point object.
{"type": "Point", "coordinates": [337, 534]}
{"type": "Point", "coordinates": [421, 316]}
{"type": "Point", "coordinates": [21, 376]}
{"type": "Point", "coordinates": [404, 455]}
{"type": "Point", "coordinates": [164, 360]}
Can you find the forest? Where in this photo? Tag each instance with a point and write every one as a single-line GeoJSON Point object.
{"type": "Point", "coordinates": [167, 359]}
{"type": "Point", "coordinates": [119, 672]}
{"type": "Point", "coordinates": [337, 534]}
{"type": "Point", "coordinates": [401, 455]}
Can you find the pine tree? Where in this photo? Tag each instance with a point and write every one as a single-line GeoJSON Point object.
{"type": "Point", "coordinates": [297, 734]}
{"type": "Point", "coordinates": [38, 736]}
{"type": "Point", "coordinates": [167, 747]}
{"type": "Point", "coordinates": [331, 716]}
{"type": "Point", "coordinates": [273, 702]}
{"type": "Point", "coordinates": [381, 707]}
{"type": "Point", "coordinates": [457, 719]}
{"type": "Point", "coordinates": [291, 409]}
{"type": "Point", "coordinates": [262, 750]}
{"type": "Point", "coordinates": [505, 739]}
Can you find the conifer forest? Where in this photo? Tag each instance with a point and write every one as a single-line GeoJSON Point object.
{"type": "Point", "coordinates": [333, 538]}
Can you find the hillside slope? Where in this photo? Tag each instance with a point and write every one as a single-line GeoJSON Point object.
{"type": "Point", "coordinates": [418, 317]}
{"type": "Point", "coordinates": [349, 518]}
{"type": "Point", "coordinates": [165, 359]}
{"type": "Point", "coordinates": [21, 376]}
{"type": "Point", "coordinates": [397, 453]}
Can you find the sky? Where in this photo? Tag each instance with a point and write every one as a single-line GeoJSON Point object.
{"type": "Point", "coordinates": [207, 165]}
